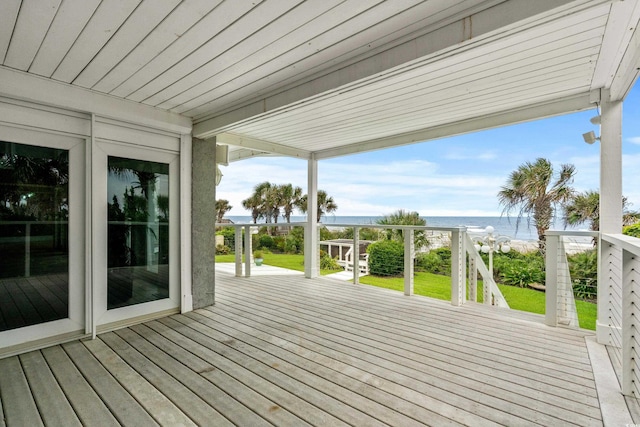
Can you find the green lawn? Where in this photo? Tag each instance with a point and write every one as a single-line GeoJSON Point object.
{"type": "Point", "coordinates": [438, 286]}
{"type": "Point", "coordinates": [524, 299]}
{"type": "Point", "coordinates": [289, 261]}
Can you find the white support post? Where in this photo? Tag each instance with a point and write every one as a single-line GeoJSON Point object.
{"type": "Point", "coordinates": [238, 251]}
{"type": "Point", "coordinates": [311, 242]}
{"type": "Point", "coordinates": [355, 253]}
{"type": "Point", "coordinates": [458, 276]}
{"type": "Point", "coordinates": [408, 262]}
{"type": "Point", "coordinates": [629, 325]}
{"type": "Point", "coordinates": [247, 251]}
{"type": "Point", "coordinates": [611, 165]}
{"type": "Point", "coordinates": [551, 280]}
{"type": "Point", "coordinates": [473, 279]}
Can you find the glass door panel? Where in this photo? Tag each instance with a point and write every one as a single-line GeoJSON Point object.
{"type": "Point", "coordinates": [137, 232]}
{"type": "Point", "coordinates": [34, 235]}
{"type": "Point", "coordinates": [136, 270]}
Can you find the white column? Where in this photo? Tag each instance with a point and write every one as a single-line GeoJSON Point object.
{"type": "Point", "coordinates": [610, 199]}
{"type": "Point", "coordinates": [409, 253]}
{"type": "Point", "coordinates": [611, 166]}
{"type": "Point", "coordinates": [311, 242]}
{"type": "Point", "coordinates": [551, 280]}
{"type": "Point", "coordinates": [458, 266]}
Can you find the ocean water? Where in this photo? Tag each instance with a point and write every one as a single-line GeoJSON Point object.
{"type": "Point", "coordinates": [502, 225]}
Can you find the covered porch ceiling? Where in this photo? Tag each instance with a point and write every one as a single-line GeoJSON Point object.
{"type": "Point", "coordinates": [321, 78]}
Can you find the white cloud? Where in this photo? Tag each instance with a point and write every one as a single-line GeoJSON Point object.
{"type": "Point", "coordinates": [634, 140]}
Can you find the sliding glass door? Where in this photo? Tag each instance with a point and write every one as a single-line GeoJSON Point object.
{"type": "Point", "coordinates": [135, 209]}
{"type": "Point", "coordinates": [41, 235]}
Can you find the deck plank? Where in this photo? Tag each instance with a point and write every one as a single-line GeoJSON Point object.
{"type": "Point", "coordinates": [484, 391]}
{"type": "Point", "coordinates": [442, 330]}
{"type": "Point", "coordinates": [124, 407]}
{"type": "Point", "coordinates": [157, 405]}
{"type": "Point", "coordinates": [289, 351]}
{"type": "Point", "coordinates": [188, 401]}
{"type": "Point", "coordinates": [88, 406]}
{"type": "Point", "coordinates": [370, 386]}
{"type": "Point", "coordinates": [207, 368]}
{"type": "Point", "coordinates": [47, 392]}
{"type": "Point", "coordinates": [19, 406]}
{"type": "Point", "coordinates": [328, 403]}
{"type": "Point", "coordinates": [360, 395]}
{"type": "Point", "coordinates": [229, 407]}
{"type": "Point", "coordinates": [443, 369]}
{"type": "Point", "coordinates": [445, 385]}
{"type": "Point", "coordinates": [180, 334]}
{"type": "Point", "coordinates": [385, 326]}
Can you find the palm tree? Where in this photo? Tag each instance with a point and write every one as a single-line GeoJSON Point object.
{"type": "Point", "coordinates": [326, 204]}
{"type": "Point", "coordinates": [289, 198]}
{"type": "Point", "coordinates": [222, 207]}
{"type": "Point", "coordinates": [253, 204]}
{"type": "Point", "coordinates": [535, 190]}
{"type": "Point", "coordinates": [402, 217]}
{"type": "Point", "coordinates": [585, 208]}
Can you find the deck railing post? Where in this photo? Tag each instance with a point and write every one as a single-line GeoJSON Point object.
{"type": "Point", "coordinates": [238, 250]}
{"type": "Point", "coordinates": [473, 279]}
{"type": "Point", "coordinates": [458, 276]}
{"type": "Point", "coordinates": [409, 252]}
{"type": "Point", "coordinates": [247, 251]}
{"type": "Point", "coordinates": [629, 326]}
{"type": "Point", "coordinates": [356, 255]}
{"type": "Point", "coordinates": [551, 280]}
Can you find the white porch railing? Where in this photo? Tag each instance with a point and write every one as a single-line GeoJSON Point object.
{"type": "Point", "coordinates": [248, 249]}
{"type": "Point", "coordinates": [490, 292]}
{"type": "Point", "coordinates": [619, 307]}
{"type": "Point", "coordinates": [458, 264]}
{"type": "Point", "coordinates": [559, 294]}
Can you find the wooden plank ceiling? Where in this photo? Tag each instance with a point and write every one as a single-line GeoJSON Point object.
{"type": "Point", "coordinates": [329, 76]}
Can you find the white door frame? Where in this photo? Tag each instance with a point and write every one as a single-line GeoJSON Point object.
{"type": "Point", "coordinates": [75, 323]}
{"type": "Point", "coordinates": [104, 319]}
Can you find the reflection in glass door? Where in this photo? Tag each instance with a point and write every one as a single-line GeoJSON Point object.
{"type": "Point", "coordinates": [34, 235]}
{"type": "Point", "coordinates": [137, 232]}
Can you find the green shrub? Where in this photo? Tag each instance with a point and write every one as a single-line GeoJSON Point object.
{"type": "Point", "coordinates": [436, 261]}
{"type": "Point", "coordinates": [583, 268]}
{"type": "Point", "coordinates": [328, 263]}
{"type": "Point", "coordinates": [223, 250]}
{"type": "Point", "coordinates": [386, 258]}
{"type": "Point", "coordinates": [278, 243]}
{"type": "Point", "coordinates": [632, 230]}
{"type": "Point", "coordinates": [229, 234]}
{"type": "Point", "coordinates": [521, 272]}
{"type": "Point", "coordinates": [294, 242]}
{"type": "Point", "coordinates": [265, 241]}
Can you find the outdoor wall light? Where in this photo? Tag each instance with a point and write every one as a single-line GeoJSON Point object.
{"type": "Point", "coordinates": [595, 120]}
{"type": "Point", "coordinates": [590, 137]}
{"type": "Point", "coordinates": [218, 175]}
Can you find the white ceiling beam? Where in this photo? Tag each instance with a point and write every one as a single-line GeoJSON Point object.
{"type": "Point", "coordinates": [628, 69]}
{"type": "Point", "coordinates": [621, 25]}
{"type": "Point", "coordinates": [261, 145]}
{"type": "Point", "coordinates": [27, 87]}
{"type": "Point", "coordinates": [246, 153]}
{"type": "Point", "coordinates": [453, 35]}
{"type": "Point", "coordinates": [543, 110]}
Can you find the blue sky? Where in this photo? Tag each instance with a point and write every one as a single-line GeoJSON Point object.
{"type": "Point", "coordinates": [457, 176]}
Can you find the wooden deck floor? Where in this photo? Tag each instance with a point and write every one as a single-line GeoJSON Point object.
{"type": "Point", "coordinates": [293, 352]}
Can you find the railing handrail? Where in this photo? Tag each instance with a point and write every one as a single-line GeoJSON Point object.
{"type": "Point", "coordinates": [575, 233]}
{"type": "Point", "coordinates": [262, 224]}
{"type": "Point", "coordinates": [628, 243]}
{"type": "Point", "coordinates": [398, 227]}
